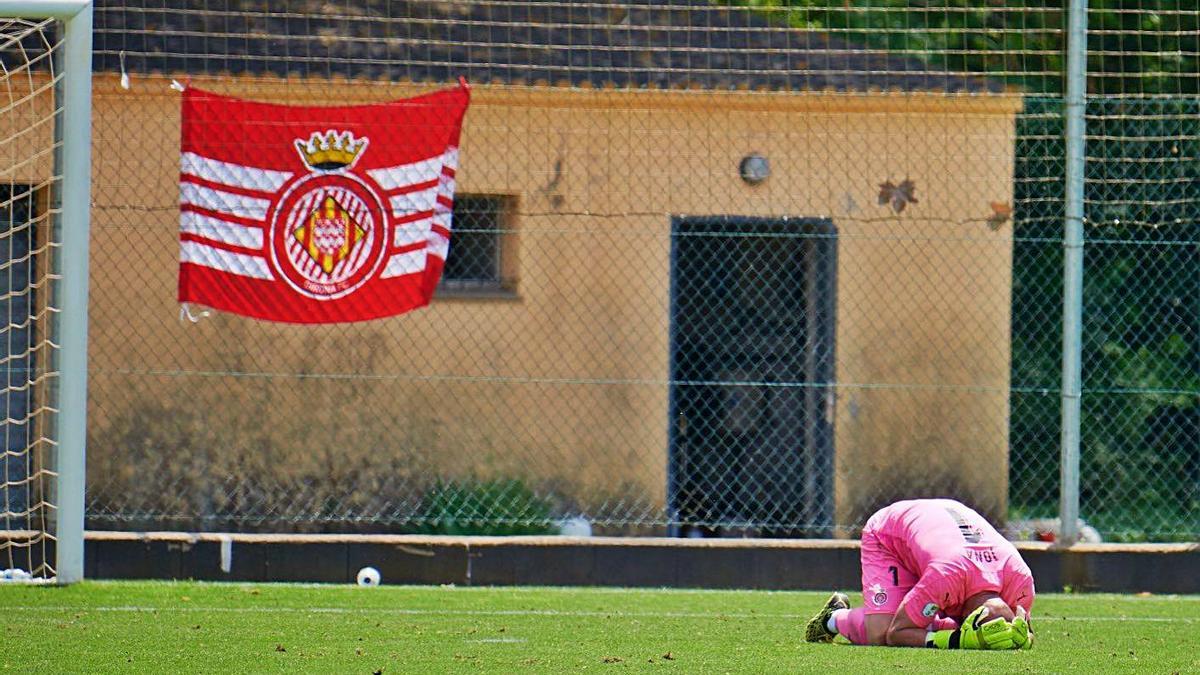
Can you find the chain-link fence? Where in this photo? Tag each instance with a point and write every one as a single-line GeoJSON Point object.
{"type": "Point", "coordinates": [1139, 459]}
{"type": "Point", "coordinates": [715, 269]}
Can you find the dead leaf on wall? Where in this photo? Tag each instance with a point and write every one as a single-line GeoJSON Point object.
{"type": "Point", "coordinates": [1001, 212]}
{"type": "Point", "coordinates": [898, 196]}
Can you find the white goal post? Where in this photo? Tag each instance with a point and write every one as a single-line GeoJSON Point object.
{"type": "Point", "coordinates": [69, 224]}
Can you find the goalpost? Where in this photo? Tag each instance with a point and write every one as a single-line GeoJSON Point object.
{"type": "Point", "coordinates": [45, 175]}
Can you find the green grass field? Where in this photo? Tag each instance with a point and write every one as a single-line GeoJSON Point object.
{"type": "Point", "coordinates": [206, 627]}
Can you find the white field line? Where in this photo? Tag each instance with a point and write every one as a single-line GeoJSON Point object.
{"type": "Point", "coordinates": [577, 590]}
{"type": "Point", "coordinates": [400, 611]}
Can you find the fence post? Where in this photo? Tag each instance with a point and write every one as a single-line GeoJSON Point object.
{"type": "Point", "coordinates": [1068, 504]}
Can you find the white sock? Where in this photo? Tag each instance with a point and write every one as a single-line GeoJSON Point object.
{"type": "Point", "coordinates": [832, 623]}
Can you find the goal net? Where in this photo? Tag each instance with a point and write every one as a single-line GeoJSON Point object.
{"type": "Point", "coordinates": [27, 50]}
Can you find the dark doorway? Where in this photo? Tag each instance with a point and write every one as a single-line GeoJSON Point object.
{"type": "Point", "coordinates": [752, 370]}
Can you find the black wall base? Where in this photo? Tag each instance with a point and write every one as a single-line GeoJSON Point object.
{"type": "Point", "coordinates": [594, 561]}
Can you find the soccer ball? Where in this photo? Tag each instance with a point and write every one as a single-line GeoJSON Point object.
{"type": "Point", "coordinates": [368, 576]}
{"type": "Point", "coordinates": [15, 574]}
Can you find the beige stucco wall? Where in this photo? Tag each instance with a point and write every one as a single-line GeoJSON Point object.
{"type": "Point", "coordinates": [26, 128]}
{"type": "Point", "coordinates": [565, 382]}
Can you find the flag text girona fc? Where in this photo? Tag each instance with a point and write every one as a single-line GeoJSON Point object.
{"type": "Point", "coordinates": [316, 214]}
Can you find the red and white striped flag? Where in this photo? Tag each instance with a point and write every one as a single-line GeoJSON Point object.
{"type": "Point", "coordinates": [316, 214]}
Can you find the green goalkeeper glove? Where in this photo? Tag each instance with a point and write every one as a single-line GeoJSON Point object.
{"type": "Point", "coordinates": [976, 632]}
{"type": "Point", "coordinates": [1022, 633]}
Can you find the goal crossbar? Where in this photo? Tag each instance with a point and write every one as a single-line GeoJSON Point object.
{"type": "Point", "coordinates": [51, 9]}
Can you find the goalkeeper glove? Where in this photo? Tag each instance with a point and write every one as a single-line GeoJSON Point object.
{"type": "Point", "coordinates": [976, 632]}
{"type": "Point", "coordinates": [1022, 633]}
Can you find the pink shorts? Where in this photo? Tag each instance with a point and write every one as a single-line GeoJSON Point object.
{"type": "Point", "coordinates": [885, 581]}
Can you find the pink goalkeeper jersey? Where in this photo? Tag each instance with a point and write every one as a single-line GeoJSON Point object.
{"type": "Point", "coordinates": [954, 553]}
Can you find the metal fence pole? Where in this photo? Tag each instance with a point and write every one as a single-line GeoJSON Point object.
{"type": "Point", "coordinates": [1068, 507]}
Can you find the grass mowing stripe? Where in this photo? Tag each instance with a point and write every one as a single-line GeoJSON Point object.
{"type": "Point", "coordinates": [522, 612]}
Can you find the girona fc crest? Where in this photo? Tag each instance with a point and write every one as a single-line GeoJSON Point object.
{"type": "Point", "coordinates": [329, 230]}
{"type": "Point", "coordinates": [329, 234]}
{"type": "Point", "coordinates": [878, 595]}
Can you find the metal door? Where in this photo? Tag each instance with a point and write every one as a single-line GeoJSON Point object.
{"type": "Point", "coordinates": [752, 315]}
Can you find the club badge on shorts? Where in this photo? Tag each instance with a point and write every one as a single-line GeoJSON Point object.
{"type": "Point", "coordinates": [878, 595]}
{"type": "Point", "coordinates": [929, 610]}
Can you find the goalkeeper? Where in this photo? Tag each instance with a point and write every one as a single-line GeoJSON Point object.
{"type": "Point", "coordinates": [934, 574]}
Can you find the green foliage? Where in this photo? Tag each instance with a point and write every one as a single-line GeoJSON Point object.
{"type": "Point", "coordinates": [1140, 457]}
{"type": "Point", "coordinates": [1134, 46]}
{"type": "Point", "coordinates": [494, 507]}
{"type": "Point", "coordinates": [1140, 437]}
{"type": "Point", "coordinates": [1037, 309]}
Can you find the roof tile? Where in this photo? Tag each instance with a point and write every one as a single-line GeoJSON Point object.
{"type": "Point", "coordinates": [662, 44]}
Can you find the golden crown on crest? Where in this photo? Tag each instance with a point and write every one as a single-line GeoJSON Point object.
{"type": "Point", "coordinates": [330, 150]}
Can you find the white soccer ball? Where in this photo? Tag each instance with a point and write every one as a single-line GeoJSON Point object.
{"type": "Point", "coordinates": [368, 576]}
{"type": "Point", "coordinates": [575, 527]}
{"type": "Point", "coordinates": [15, 574]}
